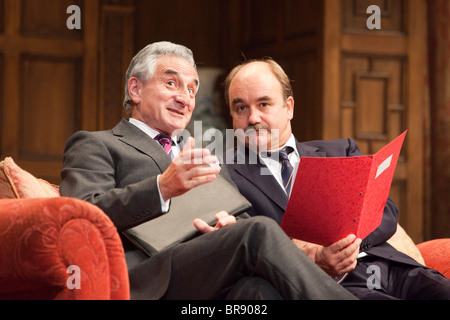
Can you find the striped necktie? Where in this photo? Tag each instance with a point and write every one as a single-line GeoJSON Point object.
{"type": "Point", "coordinates": [287, 170]}
{"type": "Point", "coordinates": [166, 142]}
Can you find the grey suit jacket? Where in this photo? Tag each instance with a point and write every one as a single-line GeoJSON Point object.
{"type": "Point", "coordinates": [117, 171]}
{"type": "Point", "coordinates": [268, 199]}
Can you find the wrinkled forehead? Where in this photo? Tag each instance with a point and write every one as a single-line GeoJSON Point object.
{"type": "Point", "coordinates": [173, 65]}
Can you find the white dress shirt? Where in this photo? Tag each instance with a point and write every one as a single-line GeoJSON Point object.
{"type": "Point", "coordinates": [274, 165]}
{"type": "Point", "coordinates": [175, 149]}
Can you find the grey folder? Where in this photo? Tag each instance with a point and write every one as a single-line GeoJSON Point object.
{"type": "Point", "coordinates": [176, 226]}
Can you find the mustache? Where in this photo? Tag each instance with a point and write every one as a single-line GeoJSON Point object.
{"type": "Point", "coordinates": [257, 126]}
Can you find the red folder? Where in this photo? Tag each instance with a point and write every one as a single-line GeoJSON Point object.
{"type": "Point", "coordinates": [334, 197]}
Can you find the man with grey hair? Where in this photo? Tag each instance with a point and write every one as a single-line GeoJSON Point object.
{"type": "Point", "coordinates": [132, 176]}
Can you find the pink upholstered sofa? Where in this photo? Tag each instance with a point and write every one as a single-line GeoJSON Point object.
{"type": "Point", "coordinates": [54, 247]}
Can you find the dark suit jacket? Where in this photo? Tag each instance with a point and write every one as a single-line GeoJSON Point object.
{"type": "Point", "coordinates": [117, 171]}
{"type": "Point", "coordinates": [267, 197]}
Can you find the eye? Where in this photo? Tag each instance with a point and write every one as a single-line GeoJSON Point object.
{"type": "Point", "coordinates": [171, 83]}
{"type": "Point", "coordinates": [264, 104]}
{"type": "Point", "coordinates": [240, 108]}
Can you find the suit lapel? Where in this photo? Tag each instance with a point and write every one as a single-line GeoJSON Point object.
{"type": "Point", "coordinates": [266, 183]}
{"type": "Point", "coordinates": [133, 136]}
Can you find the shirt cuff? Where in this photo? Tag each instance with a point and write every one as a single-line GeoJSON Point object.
{"type": "Point", "coordinates": [164, 204]}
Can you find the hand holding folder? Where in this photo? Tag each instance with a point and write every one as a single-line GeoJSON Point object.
{"type": "Point", "coordinates": [335, 197]}
{"type": "Point", "coordinates": [203, 202]}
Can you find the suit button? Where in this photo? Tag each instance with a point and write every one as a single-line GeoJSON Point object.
{"type": "Point", "coordinates": [365, 246]}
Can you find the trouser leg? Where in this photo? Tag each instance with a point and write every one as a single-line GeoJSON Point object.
{"type": "Point", "coordinates": [209, 266]}
{"type": "Point", "coordinates": [416, 283]}
{"type": "Point", "coordinates": [253, 288]}
{"type": "Point", "coordinates": [393, 281]}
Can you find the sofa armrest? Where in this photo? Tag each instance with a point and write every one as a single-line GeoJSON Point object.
{"type": "Point", "coordinates": [42, 238]}
{"type": "Point", "coordinates": [436, 254]}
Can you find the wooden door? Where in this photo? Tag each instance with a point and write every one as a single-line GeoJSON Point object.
{"type": "Point", "coordinates": [47, 80]}
{"type": "Point", "coordinates": [289, 32]}
{"type": "Point", "coordinates": [56, 80]}
{"type": "Point", "coordinates": [374, 89]}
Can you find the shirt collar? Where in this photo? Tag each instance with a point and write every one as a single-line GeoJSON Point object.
{"type": "Point", "coordinates": [290, 143]}
{"type": "Point", "coordinates": [152, 133]}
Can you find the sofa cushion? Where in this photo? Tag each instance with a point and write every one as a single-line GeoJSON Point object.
{"type": "Point", "coordinates": [436, 254]}
{"type": "Point", "coordinates": [18, 183]}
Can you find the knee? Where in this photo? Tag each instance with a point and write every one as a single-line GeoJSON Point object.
{"type": "Point", "coordinates": [263, 224]}
{"type": "Point", "coordinates": [261, 228]}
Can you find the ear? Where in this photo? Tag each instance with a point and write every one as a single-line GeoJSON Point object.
{"type": "Point", "coordinates": [290, 107]}
{"type": "Point", "coordinates": [134, 90]}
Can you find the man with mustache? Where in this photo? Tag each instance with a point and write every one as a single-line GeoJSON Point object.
{"type": "Point", "coordinates": [260, 98]}
{"type": "Point", "coordinates": [133, 170]}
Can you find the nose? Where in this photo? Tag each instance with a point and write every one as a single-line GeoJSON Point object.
{"type": "Point", "coordinates": [183, 97]}
{"type": "Point", "coordinates": [254, 116]}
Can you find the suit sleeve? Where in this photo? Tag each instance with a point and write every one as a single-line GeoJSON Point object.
{"type": "Point", "coordinates": [388, 224]}
{"type": "Point", "coordinates": [89, 173]}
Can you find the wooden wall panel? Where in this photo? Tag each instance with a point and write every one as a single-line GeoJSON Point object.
{"type": "Point", "coordinates": [380, 84]}
{"type": "Point", "coordinates": [373, 109]}
{"type": "Point", "coordinates": [274, 29]}
{"type": "Point", "coordinates": [2, 16]}
{"type": "Point", "coordinates": [59, 80]}
{"type": "Point", "coordinates": [195, 24]}
{"type": "Point", "coordinates": [51, 23]}
{"type": "Point", "coordinates": [355, 16]}
{"type": "Point", "coordinates": [2, 21]}
{"type": "Point", "coordinates": [48, 114]}
{"type": "Point", "coordinates": [260, 28]}
{"type": "Point", "coordinates": [372, 91]}
{"type": "Point", "coordinates": [116, 53]}
{"type": "Point", "coordinates": [302, 68]}
{"type": "Point", "coordinates": [45, 81]}
{"type": "Point", "coordinates": [1, 99]}
{"type": "Point", "coordinates": [295, 27]}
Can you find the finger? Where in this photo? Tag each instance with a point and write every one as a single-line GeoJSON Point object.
{"type": "Point", "coordinates": [349, 257]}
{"type": "Point", "coordinates": [198, 181]}
{"type": "Point", "coordinates": [202, 226]}
{"type": "Point", "coordinates": [350, 252]}
{"type": "Point", "coordinates": [198, 157]}
{"type": "Point", "coordinates": [203, 159]}
{"type": "Point", "coordinates": [347, 266]}
{"type": "Point", "coordinates": [195, 155]}
{"type": "Point", "coordinates": [189, 145]}
{"type": "Point", "coordinates": [221, 214]}
{"type": "Point", "coordinates": [341, 244]}
{"type": "Point", "coordinates": [225, 221]}
{"type": "Point", "coordinates": [201, 171]}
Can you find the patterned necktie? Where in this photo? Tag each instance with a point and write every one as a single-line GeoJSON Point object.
{"type": "Point", "coordinates": [287, 170]}
{"type": "Point", "coordinates": [166, 143]}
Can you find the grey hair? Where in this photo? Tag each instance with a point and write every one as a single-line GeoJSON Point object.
{"type": "Point", "coordinates": [143, 64]}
